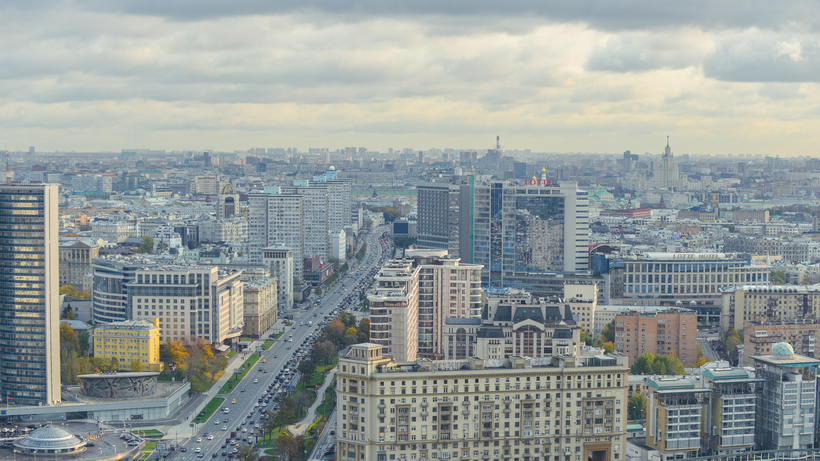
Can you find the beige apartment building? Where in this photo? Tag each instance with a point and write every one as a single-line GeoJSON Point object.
{"type": "Point", "coordinates": [394, 313]}
{"type": "Point", "coordinates": [582, 298]}
{"type": "Point", "coordinates": [260, 305]}
{"type": "Point", "coordinates": [75, 260]}
{"type": "Point", "coordinates": [479, 410]}
{"type": "Point", "coordinates": [670, 333]}
{"type": "Point", "coordinates": [744, 303]}
{"type": "Point", "coordinates": [760, 337]}
{"type": "Point", "coordinates": [190, 301]}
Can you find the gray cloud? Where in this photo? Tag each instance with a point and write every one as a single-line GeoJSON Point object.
{"type": "Point", "coordinates": [765, 58]}
{"type": "Point", "coordinates": [642, 52]}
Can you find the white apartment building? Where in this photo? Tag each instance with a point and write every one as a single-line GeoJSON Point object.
{"type": "Point", "coordinates": [572, 408]}
{"type": "Point", "coordinates": [86, 183]}
{"type": "Point", "coordinates": [279, 261]}
{"type": "Point", "coordinates": [582, 298]}
{"type": "Point", "coordinates": [276, 219]}
{"type": "Point", "coordinates": [233, 229]}
{"type": "Point", "coordinates": [113, 231]}
{"type": "Point", "coordinates": [166, 234]}
{"type": "Point", "coordinates": [338, 243]}
{"type": "Point", "coordinates": [191, 301]}
{"type": "Point", "coordinates": [394, 315]}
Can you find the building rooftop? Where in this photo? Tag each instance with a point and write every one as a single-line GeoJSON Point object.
{"type": "Point", "coordinates": [130, 325]}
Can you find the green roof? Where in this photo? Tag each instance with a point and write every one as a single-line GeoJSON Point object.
{"type": "Point", "coordinates": [634, 427]}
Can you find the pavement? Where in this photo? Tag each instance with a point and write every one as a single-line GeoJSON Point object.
{"type": "Point", "coordinates": [302, 426]}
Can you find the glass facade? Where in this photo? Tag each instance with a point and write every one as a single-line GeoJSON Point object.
{"type": "Point", "coordinates": [28, 311]}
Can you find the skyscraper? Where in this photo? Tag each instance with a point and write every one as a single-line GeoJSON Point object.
{"type": "Point", "coordinates": [276, 218]}
{"type": "Point", "coordinates": [445, 212]}
{"type": "Point", "coordinates": [29, 307]}
{"type": "Point", "coordinates": [530, 226]}
{"type": "Point", "coordinates": [666, 177]}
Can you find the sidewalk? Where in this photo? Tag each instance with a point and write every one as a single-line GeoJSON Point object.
{"type": "Point", "coordinates": [302, 426]}
{"type": "Point", "coordinates": [184, 429]}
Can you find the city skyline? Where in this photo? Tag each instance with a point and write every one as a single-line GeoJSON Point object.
{"type": "Point", "coordinates": [587, 77]}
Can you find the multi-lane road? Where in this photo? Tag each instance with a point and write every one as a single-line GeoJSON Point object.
{"type": "Point", "coordinates": [245, 413]}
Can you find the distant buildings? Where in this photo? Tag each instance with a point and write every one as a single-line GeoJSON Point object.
{"type": "Point", "coordinates": [760, 337]}
{"type": "Point", "coordinates": [746, 303]}
{"type": "Point", "coordinates": [76, 256]}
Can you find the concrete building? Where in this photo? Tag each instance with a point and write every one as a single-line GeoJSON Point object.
{"type": "Point", "coordinates": [674, 416]}
{"type": "Point", "coordinates": [604, 315]}
{"type": "Point", "coordinates": [234, 229]}
{"type": "Point", "coordinates": [582, 299]}
{"type": "Point", "coordinates": [227, 202]}
{"type": "Point", "coordinates": [670, 333]}
{"type": "Point", "coordinates": [190, 302]}
{"type": "Point", "coordinates": [207, 184]}
{"type": "Point", "coordinates": [793, 251]}
{"type": "Point", "coordinates": [167, 236]}
{"type": "Point", "coordinates": [75, 260]}
{"type": "Point", "coordinates": [30, 305]}
{"type": "Point", "coordinates": [728, 425]}
{"type": "Point", "coordinates": [758, 216]}
{"type": "Point", "coordinates": [445, 215]}
{"type": "Point", "coordinates": [786, 412]}
{"type": "Point", "coordinates": [129, 341]}
{"type": "Point", "coordinates": [112, 231]}
{"type": "Point", "coordinates": [279, 261]}
{"type": "Point", "coordinates": [315, 225]}
{"type": "Point", "coordinates": [109, 295]}
{"type": "Point", "coordinates": [532, 226]}
{"type": "Point", "coordinates": [260, 306]}
{"type": "Point", "coordinates": [477, 409]}
{"type": "Point", "coordinates": [394, 303]}
{"type": "Point", "coordinates": [747, 303]}
{"type": "Point", "coordinates": [338, 243]}
{"type": "Point", "coordinates": [276, 219]}
{"type": "Point", "coordinates": [760, 337]}
{"type": "Point", "coordinates": [83, 183]}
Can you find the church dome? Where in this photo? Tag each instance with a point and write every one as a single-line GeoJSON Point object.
{"type": "Point", "coordinates": [782, 351]}
{"type": "Point", "coordinates": [227, 189]}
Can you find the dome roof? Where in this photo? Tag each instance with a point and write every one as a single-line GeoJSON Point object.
{"type": "Point", "coordinates": [782, 351]}
{"type": "Point", "coordinates": [332, 168]}
{"type": "Point", "coordinates": [227, 189]}
{"type": "Point", "coordinates": [49, 438]}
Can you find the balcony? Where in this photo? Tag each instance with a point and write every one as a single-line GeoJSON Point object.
{"type": "Point", "coordinates": [529, 397]}
{"type": "Point", "coordinates": [382, 406]}
{"type": "Point", "coordinates": [548, 398]}
{"type": "Point", "coordinates": [486, 434]}
{"type": "Point", "coordinates": [424, 412]}
{"type": "Point", "coordinates": [465, 411]}
{"type": "Point", "coordinates": [424, 404]}
{"type": "Point", "coordinates": [485, 456]}
{"type": "Point", "coordinates": [507, 410]}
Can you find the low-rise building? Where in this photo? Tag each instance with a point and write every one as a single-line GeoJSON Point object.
{"type": "Point", "coordinates": [477, 409]}
{"type": "Point", "coordinates": [129, 341]}
{"type": "Point", "coordinates": [76, 255]}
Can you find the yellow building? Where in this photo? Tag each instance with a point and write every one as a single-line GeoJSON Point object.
{"type": "Point", "coordinates": [129, 341]}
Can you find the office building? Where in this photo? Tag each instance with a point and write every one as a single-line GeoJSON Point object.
{"type": "Point", "coordinates": [787, 405]}
{"type": "Point", "coordinates": [190, 302]}
{"type": "Point", "coordinates": [76, 255]}
{"type": "Point", "coordinates": [129, 341]}
{"type": "Point", "coordinates": [227, 204]}
{"type": "Point", "coordinates": [445, 215]}
{"type": "Point", "coordinates": [88, 183]}
{"type": "Point", "coordinates": [394, 303]}
{"type": "Point", "coordinates": [476, 409]}
{"type": "Point", "coordinates": [260, 306]}
{"type": "Point", "coordinates": [276, 218]}
{"type": "Point", "coordinates": [760, 337]}
{"type": "Point", "coordinates": [674, 416]}
{"type": "Point", "coordinates": [278, 259]}
{"type": "Point", "coordinates": [530, 227]}
{"type": "Point", "coordinates": [672, 332]}
{"type": "Point", "coordinates": [747, 303]}
{"type": "Point", "coordinates": [30, 309]}
{"type": "Point", "coordinates": [109, 295]}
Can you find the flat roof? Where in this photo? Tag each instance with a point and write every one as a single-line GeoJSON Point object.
{"type": "Point", "coordinates": [124, 374]}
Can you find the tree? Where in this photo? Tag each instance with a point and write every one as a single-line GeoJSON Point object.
{"type": "Point", "coordinates": [247, 453]}
{"type": "Point", "coordinates": [72, 292]}
{"type": "Point", "coordinates": [66, 334]}
{"type": "Point", "coordinates": [730, 342]}
{"type": "Point", "coordinates": [778, 277]}
{"type": "Point", "coordinates": [136, 365]}
{"type": "Point", "coordinates": [701, 358]}
{"type": "Point", "coordinates": [175, 352]}
{"type": "Point", "coordinates": [147, 245]}
{"type": "Point", "coordinates": [643, 365]}
{"type": "Point", "coordinates": [335, 331]}
{"type": "Point", "coordinates": [289, 448]}
{"type": "Point", "coordinates": [114, 364]}
{"type": "Point", "coordinates": [307, 368]}
{"type": "Point", "coordinates": [609, 347]}
{"type": "Point", "coordinates": [162, 247]}
{"type": "Point", "coordinates": [609, 332]}
{"type": "Point", "coordinates": [318, 291]}
{"type": "Point", "coordinates": [84, 343]}
{"type": "Point", "coordinates": [364, 330]}
{"type": "Point", "coordinates": [637, 406]}
{"type": "Point", "coordinates": [302, 401]}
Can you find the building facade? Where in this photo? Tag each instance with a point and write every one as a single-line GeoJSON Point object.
{"type": "Point", "coordinates": [672, 332]}
{"type": "Point", "coordinates": [445, 215]}
{"type": "Point", "coordinates": [75, 260]}
{"type": "Point", "coordinates": [751, 303]}
{"type": "Point", "coordinates": [476, 409]}
{"type": "Point", "coordinates": [394, 304]}
{"type": "Point", "coordinates": [523, 228]}
{"type": "Point", "coordinates": [30, 309]}
{"type": "Point", "coordinates": [129, 341]}
{"type": "Point", "coordinates": [190, 302]}
{"type": "Point", "coordinates": [759, 338]}
{"type": "Point", "coordinates": [260, 306]}
{"type": "Point", "coordinates": [109, 295]}
{"type": "Point", "coordinates": [276, 218]}
{"type": "Point", "coordinates": [674, 416]}
{"type": "Point", "coordinates": [227, 202]}
{"type": "Point", "coordinates": [279, 261]}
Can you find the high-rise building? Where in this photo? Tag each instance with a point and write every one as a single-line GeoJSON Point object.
{"type": "Point", "coordinates": [667, 176]}
{"type": "Point", "coordinates": [190, 302]}
{"type": "Point", "coordinates": [276, 219]}
{"type": "Point", "coordinates": [278, 259]}
{"type": "Point", "coordinates": [670, 333]}
{"type": "Point", "coordinates": [260, 306]}
{"type": "Point", "coordinates": [534, 226]}
{"type": "Point", "coordinates": [445, 215]}
{"type": "Point", "coordinates": [477, 409]}
{"type": "Point", "coordinates": [109, 295]}
{"type": "Point", "coordinates": [671, 399]}
{"type": "Point", "coordinates": [787, 405]}
{"type": "Point", "coordinates": [729, 419]}
{"type": "Point", "coordinates": [227, 202]}
{"type": "Point", "coordinates": [315, 211]}
{"type": "Point", "coordinates": [29, 307]}
{"type": "Point", "coordinates": [394, 314]}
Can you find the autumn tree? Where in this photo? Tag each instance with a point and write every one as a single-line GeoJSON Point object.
{"type": "Point", "coordinates": [637, 406]}
{"type": "Point", "coordinates": [301, 400]}
{"type": "Point", "coordinates": [289, 447]}
{"type": "Point", "coordinates": [609, 332]}
{"type": "Point", "coordinates": [702, 359]}
{"type": "Point", "coordinates": [114, 364]}
{"type": "Point", "coordinates": [73, 292]}
{"type": "Point", "coordinates": [66, 334]}
{"type": "Point", "coordinates": [136, 365]}
{"type": "Point", "coordinates": [247, 453]}
{"type": "Point", "coordinates": [731, 340]}
{"type": "Point", "coordinates": [146, 246]}
{"type": "Point", "coordinates": [307, 368]}
{"type": "Point", "coordinates": [175, 352]}
{"type": "Point", "coordinates": [609, 347]}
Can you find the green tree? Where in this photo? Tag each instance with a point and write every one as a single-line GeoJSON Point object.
{"type": "Point", "coordinates": [307, 368]}
{"type": "Point", "coordinates": [247, 453]}
{"type": "Point", "coordinates": [84, 343]}
{"type": "Point", "coordinates": [643, 365]}
{"type": "Point", "coordinates": [147, 245]}
{"type": "Point", "coordinates": [637, 407]}
{"type": "Point", "coordinates": [609, 332]}
{"type": "Point", "coordinates": [136, 365]}
{"type": "Point", "coordinates": [114, 364]}
{"type": "Point", "coordinates": [731, 341]}
{"type": "Point", "coordinates": [778, 277]}
{"type": "Point", "coordinates": [318, 291]}
{"type": "Point", "coordinates": [162, 247]}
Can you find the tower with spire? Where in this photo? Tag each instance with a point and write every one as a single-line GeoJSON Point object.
{"type": "Point", "coordinates": [667, 177]}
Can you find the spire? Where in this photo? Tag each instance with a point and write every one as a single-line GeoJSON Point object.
{"type": "Point", "coordinates": [667, 140]}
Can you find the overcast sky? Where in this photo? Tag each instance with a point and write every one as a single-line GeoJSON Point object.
{"type": "Point", "coordinates": [578, 76]}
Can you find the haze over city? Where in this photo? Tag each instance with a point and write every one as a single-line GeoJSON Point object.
{"type": "Point", "coordinates": [552, 77]}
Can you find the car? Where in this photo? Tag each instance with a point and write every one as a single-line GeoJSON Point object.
{"type": "Point", "coordinates": [183, 449]}
{"type": "Point", "coordinates": [216, 423]}
{"type": "Point", "coordinates": [260, 368]}
{"type": "Point", "coordinates": [224, 453]}
{"type": "Point", "coordinates": [199, 440]}
{"type": "Point", "coordinates": [211, 437]}
{"type": "Point", "coordinates": [265, 371]}
{"type": "Point", "coordinates": [224, 444]}
{"type": "Point", "coordinates": [213, 455]}
{"type": "Point", "coordinates": [233, 401]}
{"type": "Point", "coordinates": [197, 450]}
{"type": "Point", "coordinates": [200, 455]}
{"type": "Point", "coordinates": [242, 390]}
{"type": "Point", "coordinates": [255, 381]}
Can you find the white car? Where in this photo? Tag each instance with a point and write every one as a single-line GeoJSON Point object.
{"type": "Point", "coordinates": [224, 428]}
{"type": "Point", "coordinates": [197, 450]}
{"type": "Point", "coordinates": [216, 422]}
{"type": "Point", "coordinates": [211, 437]}
{"type": "Point", "coordinates": [255, 381]}
{"type": "Point", "coordinates": [199, 439]}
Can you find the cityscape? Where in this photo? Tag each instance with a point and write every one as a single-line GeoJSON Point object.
{"type": "Point", "coordinates": [425, 231]}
